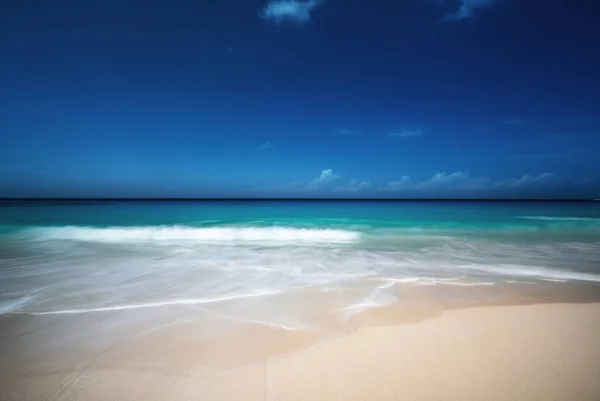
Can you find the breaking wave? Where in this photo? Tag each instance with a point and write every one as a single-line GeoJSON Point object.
{"type": "Point", "coordinates": [194, 234]}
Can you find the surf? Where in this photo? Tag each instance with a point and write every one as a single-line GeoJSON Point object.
{"type": "Point", "coordinates": [194, 234]}
{"type": "Point", "coordinates": [561, 218]}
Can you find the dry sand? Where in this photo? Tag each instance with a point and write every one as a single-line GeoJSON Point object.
{"type": "Point", "coordinates": [527, 352]}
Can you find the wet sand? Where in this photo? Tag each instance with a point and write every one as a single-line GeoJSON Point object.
{"type": "Point", "coordinates": [435, 343]}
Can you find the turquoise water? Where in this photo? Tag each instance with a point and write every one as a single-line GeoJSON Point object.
{"type": "Point", "coordinates": [421, 214]}
{"type": "Point", "coordinates": [234, 258]}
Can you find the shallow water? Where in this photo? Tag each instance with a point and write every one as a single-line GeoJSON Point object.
{"type": "Point", "coordinates": [256, 261]}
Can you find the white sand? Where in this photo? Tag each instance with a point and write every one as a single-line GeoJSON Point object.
{"type": "Point", "coordinates": [532, 352]}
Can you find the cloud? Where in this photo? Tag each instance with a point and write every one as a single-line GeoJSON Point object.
{"type": "Point", "coordinates": [279, 11]}
{"type": "Point", "coordinates": [266, 145]}
{"type": "Point", "coordinates": [464, 181]}
{"type": "Point", "coordinates": [354, 186]}
{"type": "Point", "coordinates": [467, 9]}
{"type": "Point", "coordinates": [345, 131]}
{"type": "Point", "coordinates": [325, 180]}
{"type": "Point", "coordinates": [440, 184]}
{"type": "Point", "coordinates": [442, 179]}
{"type": "Point", "coordinates": [456, 180]}
{"type": "Point", "coordinates": [530, 180]}
{"type": "Point", "coordinates": [407, 131]}
{"type": "Point", "coordinates": [404, 182]}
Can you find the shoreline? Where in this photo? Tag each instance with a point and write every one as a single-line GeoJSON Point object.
{"type": "Point", "coordinates": [469, 353]}
{"type": "Point", "coordinates": [166, 341]}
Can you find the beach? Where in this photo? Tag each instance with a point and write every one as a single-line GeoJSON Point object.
{"type": "Point", "coordinates": [525, 352]}
{"type": "Point", "coordinates": [299, 300]}
{"type": "Point", "coordinates": [300, 200]}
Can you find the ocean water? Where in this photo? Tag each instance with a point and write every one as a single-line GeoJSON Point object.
{"type": "Point", "coordinates": [261, 261]}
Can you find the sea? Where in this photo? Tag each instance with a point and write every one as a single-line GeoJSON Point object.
{"type": "Point", "coordinates": [281, 264]}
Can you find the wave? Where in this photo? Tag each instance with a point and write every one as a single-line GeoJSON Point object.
{"type": "Point", "coordinates": [190, 301]}
{"type": "Point", "coordinates": [284, 326]}
{"type": "Point", "coordinates": [383, 295]}
{"type": "Point", "coordinates": [428, 281]}
{"type": "Point", "coordinates": [197, 234]}
{"type": "Point", "coordinates": [559, 218]}
{"type": "Point", "coordinates": [13, 305]}
{"type": "Point", "coordinates": [541, 273]}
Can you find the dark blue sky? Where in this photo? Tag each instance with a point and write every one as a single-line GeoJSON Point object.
{"type": "Point", "coordinates": [405, 98]}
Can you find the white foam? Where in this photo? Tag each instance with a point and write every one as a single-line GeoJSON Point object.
{"type": "Point", "coordinates": [191, 301]}
{"type": "Point", "coordinates": [284, 326]}
{"type": "Point", "coordinates": [428, 281]}
{"type": "Point", "coordinates": [13, 305]}
{"type": "Point", "coordinates": [164, 326]}
{"type": "Point", "coordinates": [559, 218]}
{"type": "Point", "coordinates": [534, 272]}
{"type": "Point", "coordinates": [197, 234]}
{"type": "Point", "coordinates": [381, 296]}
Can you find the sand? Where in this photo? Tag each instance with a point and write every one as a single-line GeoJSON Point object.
{"type": "Point", "coordinates": [524, 352]}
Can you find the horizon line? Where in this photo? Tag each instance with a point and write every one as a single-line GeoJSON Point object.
{"type": "Point", "coordinates": [29, 199]}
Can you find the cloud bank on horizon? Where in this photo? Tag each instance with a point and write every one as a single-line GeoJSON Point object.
{"type": "Point", "coordinates": [464, 181]}
{"type": "Point", "coordinates": [328, 181]}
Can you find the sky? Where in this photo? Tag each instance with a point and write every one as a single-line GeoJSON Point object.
{"type": "Point", "coordinates": [300, 98]}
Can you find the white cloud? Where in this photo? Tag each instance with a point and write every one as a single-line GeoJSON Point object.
{"type": "Point", "coordinates": [327, 176]}
{"type": "Point", "coordinates": [408, 131]}
{"type": "Point", "coordinates": [440, 184]}
{"type": "Point", "coordinates": [325, 180]}
{"type": "Point", "coordinates": [354, 186]}
{"type": "Point", "coordinates": [464, 181]}
{"type": "Point", "coordinates": [443, 179]}
{"type": "Point", "coordinates": [266, 145]}
{"type": "Point", "coordinates": [458, 180]}
{"type": "Point", "coordinates": [403, 183]}
{"type": "Point", "coordinates": [345, 131]}
{"type": "Point", "coordinates": [529, 180]}
{"type": "Point", "coordinates": [467, 9]}
{"type": "Point", "coordinates": [279, 11]}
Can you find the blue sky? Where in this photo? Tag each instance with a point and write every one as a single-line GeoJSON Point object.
{"type": "Point", "coordinates": [313, 98]}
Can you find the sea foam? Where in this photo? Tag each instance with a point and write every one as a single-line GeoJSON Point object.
{"type": "Point", "coordinates": [192, 301]}
{"type": "Point", "coordinates": [194, 234]}
{"type": "Point", "coordinates": [560, 218]}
